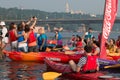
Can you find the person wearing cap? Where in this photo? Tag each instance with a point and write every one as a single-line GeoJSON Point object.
{"type": "Point", "coordinates": [4, 32]}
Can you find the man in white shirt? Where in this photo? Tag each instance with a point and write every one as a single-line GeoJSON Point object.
{"type": "Point", "coordinates": [4, 32]}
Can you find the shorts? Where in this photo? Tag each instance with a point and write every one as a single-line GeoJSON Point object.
{"type": "Point", "coordinates": [5, 40]}
{"type": "Point", "coordinates": [14, 45]}
{"type": "Point", "coordinates": [23, 47]}
{"type": "Point", "coordinates": [59, 42]}
{"type": "Point", "coordinates": [33, 49]}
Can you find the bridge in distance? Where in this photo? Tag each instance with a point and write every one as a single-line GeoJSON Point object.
{"type": "Point", "coordinates": [67, 21]}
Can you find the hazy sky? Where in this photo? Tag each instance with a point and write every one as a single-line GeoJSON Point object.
{"type": "Point", "coordinates": [87, 6]}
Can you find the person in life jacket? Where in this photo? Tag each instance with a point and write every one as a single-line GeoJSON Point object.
{"type": "Point", "coordinates": [13, 36]}
{"type": "Point", "coordinates": [31, 37]}
{"type": "Point", "coordinates": [87, 63]}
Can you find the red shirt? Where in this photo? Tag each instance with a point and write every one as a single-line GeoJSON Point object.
{"type": "Point", "coordinates": [12, 36]}
{"type": "Point", "coordinates": [32, 37]}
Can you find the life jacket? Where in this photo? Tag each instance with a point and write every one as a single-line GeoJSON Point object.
{"type": "Point", "coordinates": [31, 37]}
{"type": "Point", "coordinates": [20, 38]}
{"type": "Point", "coordinates": [12, 36]}
{"type": "Point", "coordinates": [91, 64]}
{"type": "Point", "coordinates": [79, 44]}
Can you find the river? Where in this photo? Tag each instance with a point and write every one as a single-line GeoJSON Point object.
{"type": "Point", "coordinates": [12, 70]}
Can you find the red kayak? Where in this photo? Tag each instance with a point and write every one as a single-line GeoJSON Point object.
{"type": "Point", "coordinates": [54, 56]}
{"type": "Point", "coordinates": [66, 71]}
{"type": "Point", "coordinates": [117, 58]}
{"type": "Point", "coordinates": [39, 56]}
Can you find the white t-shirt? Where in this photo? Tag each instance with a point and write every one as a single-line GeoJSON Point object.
{"type": "Point", "coordinates": [4, 32]}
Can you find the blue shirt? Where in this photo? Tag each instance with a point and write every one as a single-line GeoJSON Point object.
{"type": "Point", "coordinates": [88, 35]}
{"type": "Point", "coordinates": [59, 36]}
{"type": "Point", "coordinates": [40, 39]}
{"type": "Point", "coordinates": [20, 38]}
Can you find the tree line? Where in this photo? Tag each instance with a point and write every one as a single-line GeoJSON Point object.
{"type": "Point", "coordinates": [20, 14]}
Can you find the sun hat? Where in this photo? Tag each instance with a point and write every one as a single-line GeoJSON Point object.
{"type": "Point", "coordinates": [2, 23]}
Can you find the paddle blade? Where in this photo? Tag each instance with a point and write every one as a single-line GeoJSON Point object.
{"type": "Point", "coordinates": [50, 75]}
{"type": "Point", "coordinates": [113, 66]}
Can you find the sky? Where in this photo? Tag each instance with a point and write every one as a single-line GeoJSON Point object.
{"type": "Point", "coordinates": [87, 6]}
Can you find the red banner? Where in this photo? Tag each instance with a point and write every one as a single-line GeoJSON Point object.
{"type": "Point", "coordinates": [110, 13]}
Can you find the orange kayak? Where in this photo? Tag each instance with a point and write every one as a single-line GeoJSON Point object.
{"type": "Point", "coordinates": [39, 56]}
{"type": "Point", "coordinates": [54, 56]}
{"type": "Point", "coordinates": [52, 41]}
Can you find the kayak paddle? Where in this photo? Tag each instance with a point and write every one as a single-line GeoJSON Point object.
{"type": "Point", "coordinates": [113, 66]}
{"type": "Point", "coordinates": [50, 75]}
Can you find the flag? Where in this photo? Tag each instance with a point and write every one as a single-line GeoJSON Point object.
{"type": "Point", "coordinates": [110, 12]}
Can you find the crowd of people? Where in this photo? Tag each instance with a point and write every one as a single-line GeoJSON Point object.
{"type": "Point", "coordinates": [25, 38]}
{"type": "Point", "coordinates": [90, 47]}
